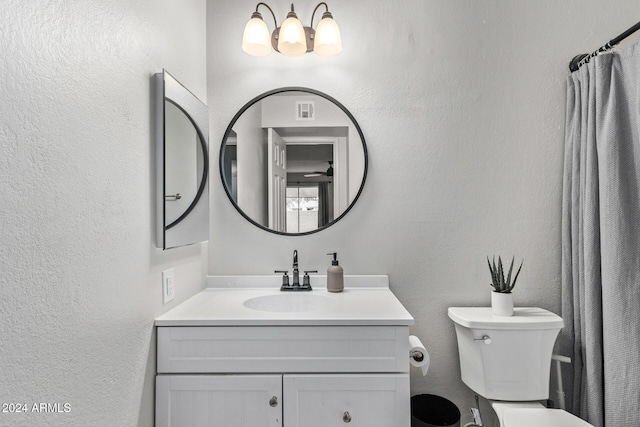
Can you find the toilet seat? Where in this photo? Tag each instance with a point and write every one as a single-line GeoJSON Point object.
{"type": "Point", "coordinates": [537, 417]}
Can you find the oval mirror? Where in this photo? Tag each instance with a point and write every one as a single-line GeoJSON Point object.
{"type": "Point", "coordinates": [293, 161]}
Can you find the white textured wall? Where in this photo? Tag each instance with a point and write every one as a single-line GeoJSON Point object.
{"type": "Point", "coordinates": [462, 106]}
{"type": "Point", "coordinates": [81, 277]}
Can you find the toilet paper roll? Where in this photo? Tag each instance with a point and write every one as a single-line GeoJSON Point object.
{"type": "Point", "coordinates": [415, 349]}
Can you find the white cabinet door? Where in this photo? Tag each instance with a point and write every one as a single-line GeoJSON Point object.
{"type": "Point", "coordinates": [346, 400]}
{"type": "Point", "coordinates": [218, 400]}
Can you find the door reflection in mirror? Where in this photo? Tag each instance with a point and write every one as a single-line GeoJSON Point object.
{"type": "Point", "coordinates": [310, 203]}
{"type": "Point", "coordinates": [293, 173]}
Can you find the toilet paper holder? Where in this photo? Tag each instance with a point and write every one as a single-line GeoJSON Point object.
{"type": "Point", "coordinates": [417, 356]}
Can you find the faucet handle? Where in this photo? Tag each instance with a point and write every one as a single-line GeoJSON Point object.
{"type": "Point", "coordinates": [285, 276]}
{"type": "Point", "coordinates": [305, 278]}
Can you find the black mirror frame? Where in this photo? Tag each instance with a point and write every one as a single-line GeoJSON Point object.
{"type": "Point", "coordinates": [259, 98]}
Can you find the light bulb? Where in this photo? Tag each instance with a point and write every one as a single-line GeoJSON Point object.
{"type": "Point", "coordinates": [327, 39]}
{"type": "Point", "coordinates": [291, 38]}
{"type": "Point", "coordinates": [256, 40]}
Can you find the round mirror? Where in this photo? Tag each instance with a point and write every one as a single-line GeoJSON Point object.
{"type": "Point", "coordinates": [293, 161]}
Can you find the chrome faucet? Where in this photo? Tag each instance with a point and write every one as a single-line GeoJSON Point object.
{"type": "Point", "coordinates": [295, 285]}
{"type": "Point", "coordinates": [296, 274]}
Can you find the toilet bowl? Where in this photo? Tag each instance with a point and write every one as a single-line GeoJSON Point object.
{"type": "Point", "coordinates": [507, 360]}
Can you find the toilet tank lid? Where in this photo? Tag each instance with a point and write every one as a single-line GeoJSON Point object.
{"type": "Point", "coordinates": [524, 318]}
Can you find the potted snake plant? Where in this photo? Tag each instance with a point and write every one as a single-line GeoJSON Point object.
{"type": "Point", "coordinates": [501, 296]}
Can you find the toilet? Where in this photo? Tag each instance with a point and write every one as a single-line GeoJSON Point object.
{"type": "Point", "coordinates": [507, 360]}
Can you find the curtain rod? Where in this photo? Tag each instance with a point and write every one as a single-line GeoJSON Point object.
{"type": "Point", "coordinates": [584, 58]}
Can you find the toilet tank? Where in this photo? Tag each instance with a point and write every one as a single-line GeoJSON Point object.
{"type": "Point", "coordinates": [506, 357]}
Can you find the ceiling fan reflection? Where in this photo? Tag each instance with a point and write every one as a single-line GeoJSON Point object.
{"type": "Point", "coordinates": [328, 172]}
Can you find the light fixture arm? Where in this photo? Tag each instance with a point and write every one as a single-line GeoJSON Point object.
{"type": "Point", "coordinates": [314, 11]}
{"type": "Point", "coordinates": [272, 14]}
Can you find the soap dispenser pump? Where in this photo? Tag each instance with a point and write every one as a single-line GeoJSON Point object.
{"type": "Point", "coordinates": [335, 275]}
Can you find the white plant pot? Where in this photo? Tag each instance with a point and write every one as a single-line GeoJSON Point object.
{"type": "Point", "coordinates": [502, 303]}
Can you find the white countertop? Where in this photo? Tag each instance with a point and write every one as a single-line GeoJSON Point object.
{"type": "Point", "coordinates": [366, 300]}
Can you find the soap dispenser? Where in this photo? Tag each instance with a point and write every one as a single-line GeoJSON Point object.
{"type": "Point", "coordinates": [335, 275]}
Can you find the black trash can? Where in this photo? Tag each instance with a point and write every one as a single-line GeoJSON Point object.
{"type": "Point", "coordinates": [429, 410]}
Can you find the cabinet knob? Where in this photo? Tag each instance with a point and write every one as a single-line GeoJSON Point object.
{"type": "Point", "coordinates": [273, 402]}
{"type": "Point", "coordinates": [346, 417]}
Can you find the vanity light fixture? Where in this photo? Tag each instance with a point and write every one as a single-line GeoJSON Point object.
{"type": "Point", "coordinates": [292, 39]}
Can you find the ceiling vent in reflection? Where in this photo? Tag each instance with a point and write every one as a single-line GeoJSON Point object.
{"type": "Point", "coordinates": [305, 110]}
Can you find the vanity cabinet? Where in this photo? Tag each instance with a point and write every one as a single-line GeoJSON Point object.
{"type": "Point", "coordinates": [219, 400]}
{"type": "Point", "coordinates": [293, 376]}
{"type": "Point", "coordinates": [369, 400]}
{"type": "Point", "coordinates": [272, 400]}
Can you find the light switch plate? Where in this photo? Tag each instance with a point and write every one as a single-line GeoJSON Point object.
{"type": "Point", "coordinates": [168, 286]}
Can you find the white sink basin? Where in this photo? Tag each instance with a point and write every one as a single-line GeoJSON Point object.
{"type": "Point", "coordinates": [290, 303]}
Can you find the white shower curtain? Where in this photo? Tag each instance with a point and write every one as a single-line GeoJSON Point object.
{"type": "Point", "coordinates": [601, 239]}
